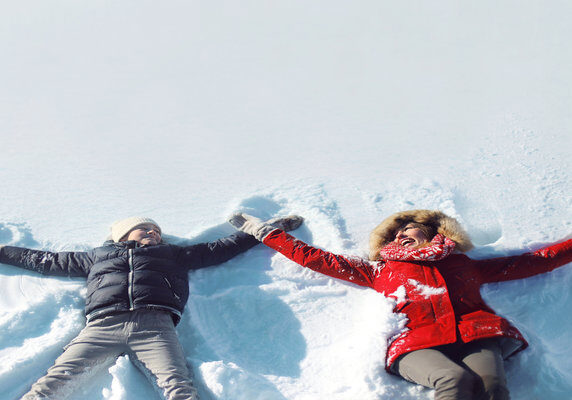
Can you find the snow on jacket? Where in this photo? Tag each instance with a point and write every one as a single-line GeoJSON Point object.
{"type": "Point", "coordinates": [126, 276]}
{"type": "Point", "coordinates": [441, 299]}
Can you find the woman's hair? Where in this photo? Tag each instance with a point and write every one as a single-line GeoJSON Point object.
{"type": "Point", "coordinates": [436, 221]}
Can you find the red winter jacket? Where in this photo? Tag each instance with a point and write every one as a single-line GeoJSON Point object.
{"type": "Point", "coordinates": [441, 299]}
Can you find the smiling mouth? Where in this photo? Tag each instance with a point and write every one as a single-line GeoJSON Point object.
{"type": "Point", "coordinates": [407, 242]}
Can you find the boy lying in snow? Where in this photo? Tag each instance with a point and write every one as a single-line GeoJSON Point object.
{"type": "Point", "coordinates": [137, 288]}
{"type": "Point", "coordinates": [454, 342]}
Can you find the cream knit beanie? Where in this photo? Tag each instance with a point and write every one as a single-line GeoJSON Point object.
{"type": "Point", "coordinates": [123, 227]}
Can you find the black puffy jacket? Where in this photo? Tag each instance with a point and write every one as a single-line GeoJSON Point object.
{"type": "Point", "coordinates": [126, 276]}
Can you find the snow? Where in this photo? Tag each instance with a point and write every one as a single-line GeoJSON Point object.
{"type": "Point", "coordinates": [342, 112]}
{"type": "Point", "coordinates": [425, 290]}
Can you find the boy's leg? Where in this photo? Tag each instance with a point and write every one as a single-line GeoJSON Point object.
{"type": "Point", "coordinates": [94, 348]}
{"type": "Point", "coordinates": [484, 357]}
{"type": "Point", "coordinates": [432, 368]}
{"type": "Point", "coordinates": [156, 350]}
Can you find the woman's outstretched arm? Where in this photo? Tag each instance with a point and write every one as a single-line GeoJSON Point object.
{"type": "Point", "coordinates": [527, 264]}
{"type": "Point", "coordinates": [349, 269]}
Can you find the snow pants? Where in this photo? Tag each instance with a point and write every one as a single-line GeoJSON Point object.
{"type": "Point", "coordinates": [471, 371]}
{"type": "Point", "coordinates": [147, 336]}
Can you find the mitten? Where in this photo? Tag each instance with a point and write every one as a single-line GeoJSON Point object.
{"type": "Point", "coordinates": [251, 225]}
{"type": "Point", "coordinates": [288, 223]}
{"type": "Point", "coordinates": [260, 229]}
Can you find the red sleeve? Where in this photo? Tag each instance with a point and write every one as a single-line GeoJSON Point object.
{"type": "Point", "coordinates": [353, 270]}
{"type": "Point", "coordinates": [526, 265]}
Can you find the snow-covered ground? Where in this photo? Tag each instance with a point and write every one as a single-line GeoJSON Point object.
{"type": "Point", "coordinates": [342, 112]}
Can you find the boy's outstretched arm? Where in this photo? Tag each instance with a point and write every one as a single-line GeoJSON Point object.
{"type": "Point", "coordinates": [65, 263]}
{"type": "Point", "coordinates": [206, 254]}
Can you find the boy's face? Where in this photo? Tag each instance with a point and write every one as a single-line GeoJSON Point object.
{"type": "Point", "coordinates": [147, 234]}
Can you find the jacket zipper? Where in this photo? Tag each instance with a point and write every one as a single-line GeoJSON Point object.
{"type": "Point", "coordinates": [130, 280]}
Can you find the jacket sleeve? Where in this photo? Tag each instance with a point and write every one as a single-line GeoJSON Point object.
{"type": "Point", "coordinates": [353, 270]}
{"type": "Point", "coordinates": [206, 254]}
{"type": "Point", "coordinates": [525, 265]}
{"type": "Point", "coordinates": [63, 263]}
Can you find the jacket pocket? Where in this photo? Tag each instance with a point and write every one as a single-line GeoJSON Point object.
{"type": "Point", "coordinates": [173, 291]}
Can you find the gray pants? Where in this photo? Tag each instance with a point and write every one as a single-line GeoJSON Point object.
{"type": "Point", "coordinates": [472, 371]}
{"type": "Point", "coordinates": [147, 336]}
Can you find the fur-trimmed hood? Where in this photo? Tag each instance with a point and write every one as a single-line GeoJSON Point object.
{"type": "Point", "coordinates": [385, 232]}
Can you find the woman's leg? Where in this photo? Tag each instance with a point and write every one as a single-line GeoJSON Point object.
{"type": "Point", "coordinates": [484, 358]}
{"type": "Point", "coordinates": [432, 368]}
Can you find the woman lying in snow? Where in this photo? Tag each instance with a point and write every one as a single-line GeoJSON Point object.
{"type": "Point", "coordinates": [454, 342]}
{"type": "Point", "coordinates": [137, 288]}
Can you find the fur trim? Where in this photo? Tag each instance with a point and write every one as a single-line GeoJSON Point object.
{"type": "Point", "coordinates": [385, 232]}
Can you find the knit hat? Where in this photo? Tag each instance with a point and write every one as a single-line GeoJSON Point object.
{"type": "Point", "coordinates": [121, 228]}
{"type": "Point", "coordinates": [385, 232]}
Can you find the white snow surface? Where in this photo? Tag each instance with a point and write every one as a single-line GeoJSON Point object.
{"type": "Point", "coordinates": [342, 112]}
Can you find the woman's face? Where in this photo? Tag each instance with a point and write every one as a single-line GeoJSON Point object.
{"type": "Point", "coordinates": [410, 236]}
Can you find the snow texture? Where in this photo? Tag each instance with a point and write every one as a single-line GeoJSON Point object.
{"type": "Point", "coordinates": [342, 112]}
{"type": "Point", "coordinates": [425, 290]}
